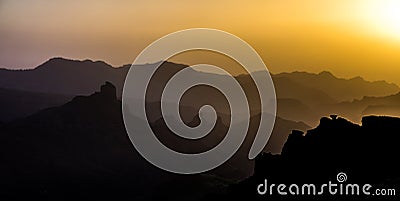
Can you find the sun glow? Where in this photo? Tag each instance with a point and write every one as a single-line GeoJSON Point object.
{"type": "Point", "coordinates": [384, 16]}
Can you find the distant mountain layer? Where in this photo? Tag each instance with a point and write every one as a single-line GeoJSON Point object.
{"type": "Point", "coordinates": [63, 76]}
{"type": "Point", "coordinates": [313, 94]}
{"type": "Point", "coordinates": [386, 105]}
{"type": "Point", "coordinates": [341, 89]}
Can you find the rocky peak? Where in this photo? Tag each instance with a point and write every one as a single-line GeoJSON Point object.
{"type": "Point", "coordinates": [108, 90]}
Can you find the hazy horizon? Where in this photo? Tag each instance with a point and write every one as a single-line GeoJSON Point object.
{"type": "Point", "coordinates": [348, 38]}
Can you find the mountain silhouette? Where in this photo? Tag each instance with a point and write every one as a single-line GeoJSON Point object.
{"type": "Point", "coordinates": [289, 89]}
{"type": "Point", "coordinates": [364, 152]}
{"type": "Point", "coordinates": [341, 89]}
{"type": "Point", "coordinates": [78, 150]}
{"type": "Point", "coordinates": [64, 76]}
{"type": "Point", "coordinates": [296, 91]}
{"type": "Point", "coordinates": [315, 95]}
{"type": "Point", "coordinates": [81, 150]}
{"type": "Point", "coordinates": [354, 110]}
{"type": "Point", "coordinates": [53, 144]}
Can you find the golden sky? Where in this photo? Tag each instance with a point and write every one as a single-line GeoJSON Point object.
{"type": "Point", "coordinates": [347, 37]}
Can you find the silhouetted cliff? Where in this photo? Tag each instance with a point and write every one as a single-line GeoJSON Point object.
{"type": "Point", "coordinates": [367, 153]}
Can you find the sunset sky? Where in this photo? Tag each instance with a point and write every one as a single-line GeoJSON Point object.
{"type": "Point", "coordinates": [347, 37]}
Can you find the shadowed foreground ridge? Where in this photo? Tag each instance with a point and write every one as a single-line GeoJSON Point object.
{"type": "Point", "coordinates": [81, 151]}
{"type": "Point", "coordinates": [368, 154]}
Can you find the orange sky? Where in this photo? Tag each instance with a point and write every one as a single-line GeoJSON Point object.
{"type": "Point", "coordinates": [346, 37]}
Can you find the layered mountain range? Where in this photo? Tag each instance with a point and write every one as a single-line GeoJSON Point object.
{"type": "Point", "coordinates": [58, 80]}
{"type": "Point", "coordinates": [62, 138]}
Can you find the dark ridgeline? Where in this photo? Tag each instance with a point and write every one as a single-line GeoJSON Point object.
{"type": "Point", "coordinates": [74, 77]}
{"type": "Point", "coordinates": [75, 151]}
{"type": "Point", "coordinates": [339, 88]}
{"type": "Point", "coordinates": [81, 150]}
{"type": "Point", "coordinates": [368, 154]}
{"type": "Point", "coordinates": [57, 80]}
